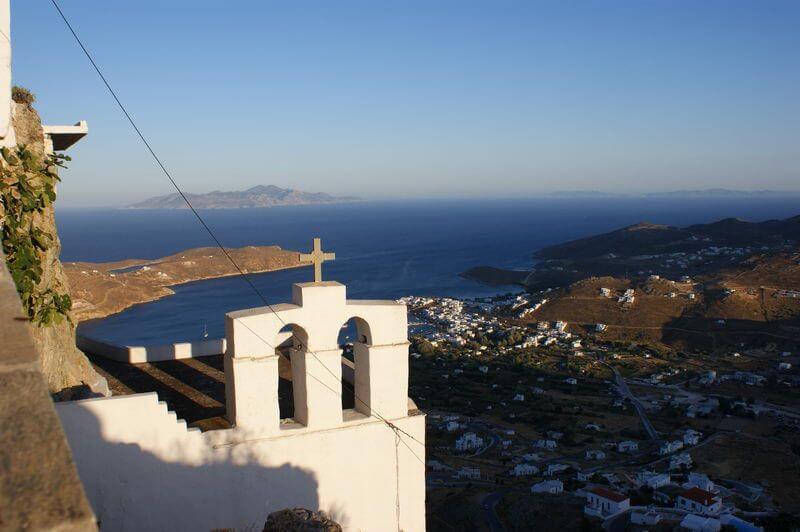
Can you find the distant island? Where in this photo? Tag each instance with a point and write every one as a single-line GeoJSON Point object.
{"type": "Point", "coordinates": [256, 197]}
{"type": "Point", "coordinates": [101, 289]}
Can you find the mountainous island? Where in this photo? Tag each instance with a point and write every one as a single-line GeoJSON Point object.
{"type": "Point", "coordinates": [260, 196]}
{"type": "Point", "coordinates": [694, 287]}
{"type": "Point", "coordinates": [102, 289]}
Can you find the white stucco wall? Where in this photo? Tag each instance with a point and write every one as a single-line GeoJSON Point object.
{"type": "Point", "coordinates": [7, 137]}
{"type": "Point", "coordinates": [143, 470]}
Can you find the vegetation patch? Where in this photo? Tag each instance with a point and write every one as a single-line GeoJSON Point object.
{"type": "Point", "coordinates": [27, 188]}
{"type": "Point", "coordinates": [22, 95]}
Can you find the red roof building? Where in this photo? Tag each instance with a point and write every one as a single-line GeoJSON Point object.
{"type": "Point", "coordinates": [697, 500]}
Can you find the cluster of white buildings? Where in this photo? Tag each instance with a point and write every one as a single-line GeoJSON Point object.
{"type": "Point", "coordinates": [460, 325]}
{"type": "Point", "coordinates": [683, 260]}
{"type": "Point", "coordinates": [469, 441]}
{"type": "Point", "coordinates": [530, 309]}
{"type": "Point", "coordinates": [699, 505]}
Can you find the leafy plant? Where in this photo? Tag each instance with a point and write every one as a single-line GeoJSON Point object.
{"type": "Point", "coordinates": [27, 188]}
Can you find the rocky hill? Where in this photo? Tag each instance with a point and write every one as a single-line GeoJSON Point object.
{"type": "Point", "coordinates": [256, 197]}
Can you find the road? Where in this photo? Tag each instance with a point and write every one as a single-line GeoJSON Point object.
{"type": "Point", "coordinates": [626, 392]}
{"type": "Point", "coordinates": [489, 504]}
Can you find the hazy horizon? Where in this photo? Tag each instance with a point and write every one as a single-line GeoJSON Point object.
{"type": "Point", "coordinates": [421, 100]}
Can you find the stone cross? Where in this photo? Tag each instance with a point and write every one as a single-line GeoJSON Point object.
{"type": "Point", "coordinates": [317, 257]}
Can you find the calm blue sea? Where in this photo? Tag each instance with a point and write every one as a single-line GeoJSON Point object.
{"type": "Point", "coordinates": [383, 249]}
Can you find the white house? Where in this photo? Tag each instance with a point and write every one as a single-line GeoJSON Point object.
{"type": "Point", "coordinates": [669, 447]}
{"type": "Point", "coordinates": [469, 441]}
{"type": "Point", "coordinates": [652, 479]}
{"type": "Point", "coordinates": [600, 327]}
{"type": "Point", "coordinates": [571, 381]}
{"type": "Point", "coordinates": [692, 437]}
{"type": "Point", "coordinates": [524, 470]}
{"type": "Point", "coordinates": [592, 426]}
{"type": "Point", "coordinates": [519, 397]}
{"type": "Point", "coordinates": [627, 446]}
{"type": "Point", "coordinates": [472, 473]}
{"type": "Point", "coordinates": [699, 501]}
{"type": "Point", "coordinates": [678, 461]}
{"type": "Point", "coordinates": [602, 502]}
{"type": "Point", "coordinates": [553, 469]}
{"type": "Point", "coordinates": [553, 487]}
{"type": "Point", "coordinates": [699, 480]}
{"type": "Point", "coordinates": [595, 454]}
{"type": "Point", "coordinates": [452, 426]}
{"type": "Point", "coordinates": [699, 523]}
{"type": "Point", "coordinates": [561, 326]}
{"type": "Point", "coordinates": [143, 469]}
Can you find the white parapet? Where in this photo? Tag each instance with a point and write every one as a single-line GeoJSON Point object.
{"type": "Point", "coordinates": [154, 353]}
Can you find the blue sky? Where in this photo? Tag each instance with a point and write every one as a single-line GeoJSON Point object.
{"type": "Point", "coordinates": [430, 98]}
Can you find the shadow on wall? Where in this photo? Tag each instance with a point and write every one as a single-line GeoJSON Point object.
{"type": "Point", "coordinates": [195, 489]}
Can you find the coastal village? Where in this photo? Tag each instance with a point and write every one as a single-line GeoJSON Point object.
{"type": "Point", "coordinates": [548, 421]}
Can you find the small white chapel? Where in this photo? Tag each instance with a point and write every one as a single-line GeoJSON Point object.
{"type": "Point", "coordinates": [145, 469]}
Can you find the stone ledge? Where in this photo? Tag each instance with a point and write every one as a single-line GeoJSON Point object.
{"type": "Point", "coordinates": [39, 484]}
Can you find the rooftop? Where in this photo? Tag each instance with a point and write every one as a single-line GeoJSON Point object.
{"type": "Point", "coordinates": [608, 494]}
{"type": "Point", "coordinates": [706, 498]}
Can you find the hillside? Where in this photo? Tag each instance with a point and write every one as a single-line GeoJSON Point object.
{"type": "Point", "coordinates": [646, 238]}
{"type": "Point", "coordinates": [256, 197]}
{"type": "Point", "coordinates": [729, 282]}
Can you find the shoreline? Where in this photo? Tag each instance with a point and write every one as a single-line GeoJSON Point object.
{"type": "Point", "coordinates": [100, 290]}
{"type": "Point", "coordinates": [188, 281]}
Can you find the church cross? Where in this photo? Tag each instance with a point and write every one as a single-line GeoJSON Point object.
{"type": "Point", "coordinates": [317, 257]}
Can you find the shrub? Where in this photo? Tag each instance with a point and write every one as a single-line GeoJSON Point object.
{"type": "Point", "coordinates": [22, 95]}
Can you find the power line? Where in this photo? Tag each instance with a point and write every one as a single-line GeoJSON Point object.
{"type": "Point", "coordinates": [208, 229]}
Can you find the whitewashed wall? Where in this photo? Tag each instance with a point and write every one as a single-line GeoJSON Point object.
{"type": "Point", "coordinates": [7, 137]}
{"type": "Point", "coordinates": [143, 470]}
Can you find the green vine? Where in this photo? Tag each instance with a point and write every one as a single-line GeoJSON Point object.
{"type": "Point", "coordinates": [27, 188]}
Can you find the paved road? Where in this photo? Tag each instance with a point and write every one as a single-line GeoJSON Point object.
{"type": "Point", "coordinates": [625, 391]}
{"type": "Point", "coordinates": [489, 504]}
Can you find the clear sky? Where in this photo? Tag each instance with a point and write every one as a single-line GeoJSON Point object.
{"type": "Point", "coordinates": [429, 98]}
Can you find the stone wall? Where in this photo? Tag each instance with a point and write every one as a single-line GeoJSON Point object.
{"type": "Point", "coordinates": [66, 369]}
{"type": "Point", "coordinates": [39, 485]}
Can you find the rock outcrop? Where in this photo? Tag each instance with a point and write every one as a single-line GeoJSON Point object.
{"type": "Point", "coordinates": [67, 370]}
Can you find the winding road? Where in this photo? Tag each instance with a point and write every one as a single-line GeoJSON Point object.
{"type": "Point", "coordinates": [489, 504]}
{"type": "Point", "coordinates": [622, 386]}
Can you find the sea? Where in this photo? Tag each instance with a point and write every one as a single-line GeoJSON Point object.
{"type": "Point", "coordinates": [384, 249]}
